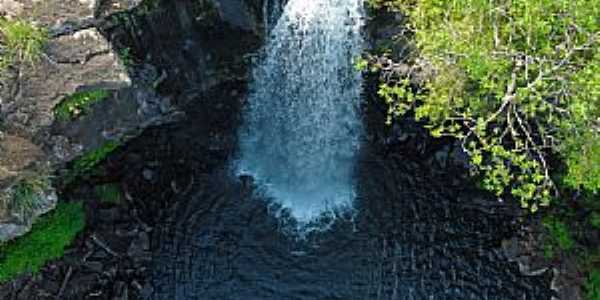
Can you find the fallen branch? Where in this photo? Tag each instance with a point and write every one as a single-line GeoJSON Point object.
{"type": "Point", "coordinates": [63, 286]}
{"type": "Point", "coordinates": [103, 246]}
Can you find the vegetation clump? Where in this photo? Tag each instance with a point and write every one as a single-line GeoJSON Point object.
{"type": "Point", "coordinates": [46, 241]}
{"type": "Point", "coordinates": [108, 193]}
{"type": "Point", "coordinates": [79, 104]}
{"type": "Point", "coordinates": [89, 161]}
{"type": "Point", "coordinates": [20, 42]}
{"type": "Point", "coordinates": [26, 194]}
{"type": "Point", "coordinates": [559, 236]}
{"type": "Point", "coordinates": [517, 82]}
{"type": "Point", "coordinates": [592, 285]}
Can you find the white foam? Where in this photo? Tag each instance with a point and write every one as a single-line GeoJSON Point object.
{"type": "Point", "coordinates": [302, 126]}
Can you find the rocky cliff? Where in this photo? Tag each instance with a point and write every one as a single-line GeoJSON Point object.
{"type": "Point", "coordinates": [150, 58]}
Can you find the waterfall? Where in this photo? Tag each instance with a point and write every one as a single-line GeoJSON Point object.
{"type": "Point", "coordinates": [302, 126]}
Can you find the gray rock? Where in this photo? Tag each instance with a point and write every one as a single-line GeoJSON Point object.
{"type": "Point", "coordinates": [17, 223]}
{"type": "Point", "coordinates": [11, 230]}
{"type": "Point", "coordinates": [148, 174]}
{"type": "Point", "coordinates": [11, 8]}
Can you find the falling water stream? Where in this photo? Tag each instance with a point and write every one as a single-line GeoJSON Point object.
{"type": "Point", "coordinates": [302, 126]}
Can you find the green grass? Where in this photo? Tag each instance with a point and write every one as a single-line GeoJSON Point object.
{"type": "Point", "coordinates": [79, 104]}
{"type": "Point", "coordinates": [592, 285]}
{"type": "Point", "coordinates": [22, 42]}
{"type": "Point", "coordinates": [108, 193]}
{"type": "Point", "coordinates": [46, 241]}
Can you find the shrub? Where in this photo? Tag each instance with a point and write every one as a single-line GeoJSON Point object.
{"type": "Point", "coordinates": [514, 82]}
{"type": "Point", "coordinates": [46, 241]}
{"type": "Point", "coordinates": [78, 104]}
{"type": "Point", "coordinates": [22, 42]}
{"type": "Point", "coordinates": [559, 236]}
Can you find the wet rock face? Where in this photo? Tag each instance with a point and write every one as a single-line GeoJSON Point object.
{"type": "Point", "coordinates": [81, 59]}
{"type": "Point", "coordinates": [191, 43]}
{"type": "Point", "coordinates": [240, 13]}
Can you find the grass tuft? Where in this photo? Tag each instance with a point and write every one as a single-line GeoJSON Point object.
{"type": "Point", "coordinates": [26, 195]}
{"type": "Point", "coordinates": [46, 241]}
{"type": "Point", "coordinates": [21, 41]}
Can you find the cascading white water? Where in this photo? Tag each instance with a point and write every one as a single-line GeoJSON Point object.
{"type": "Point", "coordinates": [302, 125]}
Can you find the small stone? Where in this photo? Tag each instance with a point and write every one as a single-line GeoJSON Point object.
{"type": "Point", "coordinates": [148, 174]}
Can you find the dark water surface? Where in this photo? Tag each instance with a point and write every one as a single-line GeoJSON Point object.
{"type": "Point", "coordinates": [416, 234]}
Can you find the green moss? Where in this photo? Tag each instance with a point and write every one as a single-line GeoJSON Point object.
{"type": "Point", "coordinates": [592, 285]}
{"type": "Point", "coordinates": [22, 42]}
{"type": "Point", "coordinates": [108, 193]}
{"type": "Point", "coordinates": [89, 161]}
{"type": "Point", "coordinates": [79, 104]}
{"type": "Point", "coordinates": [46, 241]}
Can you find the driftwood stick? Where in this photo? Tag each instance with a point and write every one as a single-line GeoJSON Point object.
{"type": "Point", "coordinates": [63, 286]}
{"type": "Point", "coordinates": [102, 245]}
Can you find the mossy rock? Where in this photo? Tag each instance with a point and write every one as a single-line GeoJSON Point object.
{"type": "Point", "coordinates": [47, 241]}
